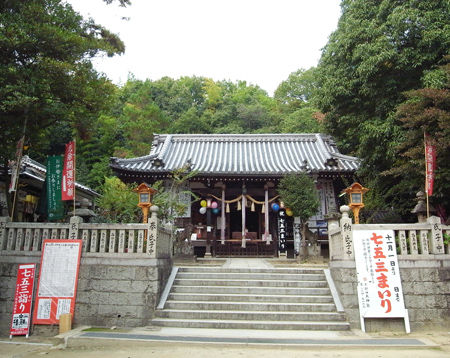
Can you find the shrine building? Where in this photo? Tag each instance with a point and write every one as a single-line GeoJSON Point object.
{"type": "Point", "coordinates": [239, 211]}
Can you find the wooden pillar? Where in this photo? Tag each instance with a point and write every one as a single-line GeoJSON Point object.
{"type": "Point", "coordinates": [208, 229]}
{"type": "Point", "coordinates": [222, 220]}
{"type": "Point", "coordinates": [266, 215]}
{"type": "Point", "coordinates": [244, 208]}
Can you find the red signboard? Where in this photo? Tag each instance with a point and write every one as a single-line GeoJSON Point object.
{"type": "Point", "coordinates": [58, 279]}
{"type": "Point", "coordinates": [68, 179]}
{"type": "Point", "coordinates": [430, 156]}
{"type": "Point", "coordinates": [23, 299]}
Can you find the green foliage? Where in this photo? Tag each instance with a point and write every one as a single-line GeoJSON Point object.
{"type": "Point", "coordinates": [303, 120]}
{"type": "Point", "coordinates": [380, 50]}
{"type": "Point", "coordinates": [299, 193]}
{"type": "Point", "coordinates": [167, 198]}
{"type": "Point", "coordinates": [426, 110]}
{"type": "Point", "coordinates": [446, 239]}
{"type": "Point", "coordinates": [118, 203]}
{"type": "Point", "coordinates": [298, 88]}
{"type": "Point", "coordinates": [45, 71]}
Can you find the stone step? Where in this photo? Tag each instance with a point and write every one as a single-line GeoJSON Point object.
{"type": "Point", "coordinates": [252, 290]}
{"type": "Point", "coordinates": [251, 276]}
{"type": "Point", "coordinates": [249, 316]}
{"type": "Point", "coordinates": [250, 306]}
{"type": "Point", "coordinates": [250, 270]}
{"type": "Point", "coordinates": [249, 283]}
{"type": "Point", "coordinates": [243, 324]}
{"type": "Point", "coordinates": [250, 298]}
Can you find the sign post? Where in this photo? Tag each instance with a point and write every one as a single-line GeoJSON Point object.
{"type": "Point", "coordinates": [58, 278]}
{"type": "Point", "coordinates": [23, 299]}
{"type": "Point", "coordinates": [380, 292]}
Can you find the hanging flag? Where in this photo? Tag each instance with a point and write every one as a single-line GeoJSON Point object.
{"type": "Point", "coordinates": [14, 168]}
{"type": "Point", "coordinates": [430, 163]}
{"type": "Point", "coordinates": [55, 209]}
{"type": "Point", "coordinates": [68, 177]}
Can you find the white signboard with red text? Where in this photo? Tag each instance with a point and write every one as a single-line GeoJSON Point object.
{"type": "Point", "coordinates": [58, 278]}
{"type": "Point", "coordinates": [380, 292]}
{"type": "Point", "coordinates": [23, 299]}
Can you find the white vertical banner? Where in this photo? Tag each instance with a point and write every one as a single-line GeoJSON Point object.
{"type": "Point", "coordinates": [380, 293]}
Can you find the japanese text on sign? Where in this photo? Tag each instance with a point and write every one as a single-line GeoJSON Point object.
{"type": "Point", "coordinates": [58, 279]}
{"type": "Point", "coordinates": [379, 285]}
{"type": "Point", "coordinates": [68, 178]}
{"type": "Point", "coordinates": [23, 299]}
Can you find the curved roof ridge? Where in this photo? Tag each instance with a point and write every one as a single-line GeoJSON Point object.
{"type": "Point", "coordinates": [132, 160]}
{"type": "Point", "coordinates": [239, 136]}
{"type": "Point", "coordinates": [345, 156]}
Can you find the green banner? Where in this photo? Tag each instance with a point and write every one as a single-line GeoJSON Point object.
{"type": "Point", "coordinates": [55, 208]}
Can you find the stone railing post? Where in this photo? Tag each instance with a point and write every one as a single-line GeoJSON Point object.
{"type": "Point", "coordinates": [333, 225]}
{"type": "Point", "coordinates": [3, 238]}
{"type": "Point", "coordinates": [152, 232]}
{"type": "Point", "coordinates": [437, 239]}
{"type": "Point", "coordinates": [347, 233]}
{"type": "Point", "coordinates": [74, 226]}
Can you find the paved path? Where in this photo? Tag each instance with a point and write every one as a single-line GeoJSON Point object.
{"type": "Point", "coordinates": [147, 342]}
{"type": "Point", "coordinates": [246, 263]}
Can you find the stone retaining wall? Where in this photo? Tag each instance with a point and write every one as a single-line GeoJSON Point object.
{"type": "Point", "coordinates": [112, 291]}
{"type": "Point", "coordinates": [426, 290]}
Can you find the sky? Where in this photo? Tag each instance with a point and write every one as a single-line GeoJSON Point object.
{"type": "Point", "coordinates": [257, 41]}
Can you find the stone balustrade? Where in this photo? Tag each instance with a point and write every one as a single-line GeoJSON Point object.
{"type": "Point", "coordinates": [152, 239]}
{"type": "Point", "coordinates": [421, 240]}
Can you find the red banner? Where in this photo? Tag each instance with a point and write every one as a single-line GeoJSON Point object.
{"type": "Point", "coordinates": [68, 179]}
{"type": "Point", "coordinates": [23, 299]}
{"type": "Point", "coordinates": [430, 158]}
{"type": "Point", "coordinates": [58, 280]}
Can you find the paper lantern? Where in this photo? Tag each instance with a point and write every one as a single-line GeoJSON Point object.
{"type": "Point", "coordinates": [275, 207]}
{"type": "Point", "coordinates": [289, 212]}
{"type": "Point", "coordinates": [203, 203]}
{"type": "Point", "coordinates": [202, 210]}
{"type": "Point", "coordinates": [216, 210]}
{"type": "Point", "coordinates": [214, 205]}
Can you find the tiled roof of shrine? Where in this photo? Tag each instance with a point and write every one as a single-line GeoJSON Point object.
{"type": "Point", "coordinates": [240, 154]}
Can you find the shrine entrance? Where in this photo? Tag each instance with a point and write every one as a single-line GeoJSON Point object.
{"type": "Point", "coordinates": [233, 219]}
{"type": "Point", "coordinates": [255, 246]}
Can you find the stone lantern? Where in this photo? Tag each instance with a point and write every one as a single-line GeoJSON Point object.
{"type": "Point", "coordinates": [145, 193]}
{"type": "Point", "coordinates": [356, 192]}
{"type": "Point", "coordinates": [421, 208]}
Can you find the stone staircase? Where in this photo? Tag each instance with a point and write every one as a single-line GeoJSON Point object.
{"type": "Point", "coordinates": [250, 298]}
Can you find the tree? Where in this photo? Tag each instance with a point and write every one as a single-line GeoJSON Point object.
{"type": "Point", "coordinates": [298, 88]}
{"type": "Point", "coordinates": [118, 204]}
{"type": "Point", "coordinates": [303, 120]}
{"type": "Point", "coordinates": [426, 110]}
{"type": "Point", "coordinates": [299, 193]}
{"type": "Point", "coordinates": [167, 198]}
{"type": "Point", "coordinates": [380, 50]}
{"type": "Point", "coordinates": [46, 77]}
